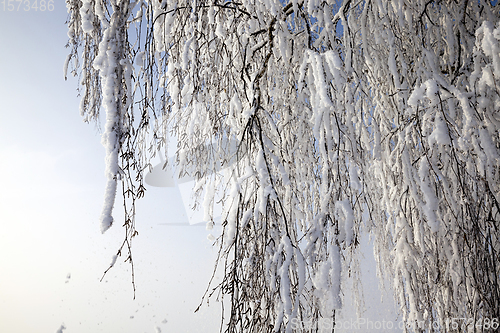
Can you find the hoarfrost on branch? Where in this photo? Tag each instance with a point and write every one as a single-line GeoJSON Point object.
{"type": "Point", "coordinates": [373, 116]}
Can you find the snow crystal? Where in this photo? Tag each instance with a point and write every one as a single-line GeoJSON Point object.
{"type": "Point", "coordinates": [336, 270]}
{"type": "Point", "coordinates": [428, 89]}
{"type": "Point", "coordinates": [113, 260]}
{"type": "Point", "coordinates": [348, 213]}
{"type": "Point", "coordinates": [416, 95]}
{"type": "Point", "coordinates": [211, 15]}
{"type": "Point", "coordinates": [208, 202]}
{"type": "Point", "coordinates": [219, 31]}
{"type": "Point", "coordinates": [432, 91]}
{"type": "Point", "coordinates": [232, 212]}
{"type": "Point", "coordinates": [319, 79]}
{"type": "Point", "coordinates": [210, 225]}
{"type": "Point", "coordinates": [354, 177]}
{"type": "Point", "coordinates": [87, 16]}
{"type": "Point", "coordinates": [440, 135]}
{"type": "Point", "coordinates": [431, 201]}
{"type": "Point", "coordinates": [490, 46]}
{"type": "Point", "coordinates": [109, 201]}
{"type": "Point", "coordinates": [489, 147]}
{"type": "Point", "coordinates": [186, 54]}
{"type": "Point", "coordinates": [392, 65]}
{"type": "Point", "coordinates": [61, 329]}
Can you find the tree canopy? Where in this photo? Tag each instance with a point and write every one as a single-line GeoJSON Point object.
{"type": "Point", "coordinates": [350, 116]}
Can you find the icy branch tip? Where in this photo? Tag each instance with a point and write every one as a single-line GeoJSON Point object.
{"type": "Point", "coordinates": [109, 201]}
{"type": "Point", "coordinates": [106, 223]}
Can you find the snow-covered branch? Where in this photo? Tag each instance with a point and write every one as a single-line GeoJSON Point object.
{"type": "Point", "coordinates": [341, 109]}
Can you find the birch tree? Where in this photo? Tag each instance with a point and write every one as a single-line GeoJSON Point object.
{"type": "Point", "coordinates": [350, 116]}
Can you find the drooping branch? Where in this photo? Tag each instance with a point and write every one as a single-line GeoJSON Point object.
{"type": "Point", "coordinates": [340, 110]}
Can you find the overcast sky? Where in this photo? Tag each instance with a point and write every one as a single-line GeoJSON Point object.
{"type": "Point", "coordinates": [52, 254]}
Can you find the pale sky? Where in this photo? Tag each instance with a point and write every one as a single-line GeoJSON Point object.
{"type": "Point", "coordinates": [52, 254]}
